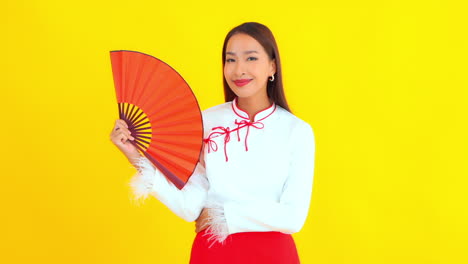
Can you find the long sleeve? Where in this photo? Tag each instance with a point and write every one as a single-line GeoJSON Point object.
{"type": "Point", "coordinates": [186, 203]}
{"type": "Point", "coordinates": [289, 214]}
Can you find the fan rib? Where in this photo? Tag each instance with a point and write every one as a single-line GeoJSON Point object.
{"type": "Point", "coordinates": [140, 144]}
{"type": "Point", "coordinates": [140, 136]}
{"type": "Point", "coordinates": [162, 107]}
{"type": "Point", "coordinates": [142, 141]}
{"type": "Point", "coordinates": [139, 121]}
{"type": "Point", "coordinates": [142, 124]}
{"type": "Point", "coordinates": [120, 110]}
{"type": "Point", "coordinates": [173, 123]}
{"type": "Point", "coordinates": [186, 172]}
{"type": "Point", "coordinates": [173, 178]}
{"type": "Point", "coordinates": [132, 113]}
{"type": "Point", "coordinates": [176, 143]}
{"type": "Point", "coordinates": [142, 128]}
{"type": "Point", "coordinates": [172, 152]}
{"type": "Point", "coordinates": [138, 116]}
{"type": "Point", "coordinates": [147, 81]}
{"type": "Point", "coordinates": [186, 133]}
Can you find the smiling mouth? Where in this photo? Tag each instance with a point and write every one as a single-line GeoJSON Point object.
{"type": "Point", "coordinates": [242, 82]}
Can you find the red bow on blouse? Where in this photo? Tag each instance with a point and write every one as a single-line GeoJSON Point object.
{"type": "Point", "coordinates": [226, 131]}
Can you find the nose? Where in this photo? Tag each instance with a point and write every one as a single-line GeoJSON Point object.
{"type": "Point", "coordinates": [239, 69]}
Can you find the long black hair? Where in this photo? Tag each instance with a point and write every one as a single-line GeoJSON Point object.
{"type": "Point", "coordinates": [263, 35]}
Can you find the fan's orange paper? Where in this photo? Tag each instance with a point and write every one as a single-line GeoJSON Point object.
{"type": "Point", "coordinates": [161, 111]}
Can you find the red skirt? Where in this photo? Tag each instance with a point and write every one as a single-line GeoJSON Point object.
{"type": "Point", "coordinates": [245, 248]}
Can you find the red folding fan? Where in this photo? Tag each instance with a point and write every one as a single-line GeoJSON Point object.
{"type": "Point", "coordinates": [161, 111]}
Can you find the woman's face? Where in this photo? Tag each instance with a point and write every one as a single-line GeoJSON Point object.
{"type": "Point", "coordinates": [247, 66]}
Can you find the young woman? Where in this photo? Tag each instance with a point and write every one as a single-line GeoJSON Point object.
{"type": "Point", "coordinates": [252, 187]}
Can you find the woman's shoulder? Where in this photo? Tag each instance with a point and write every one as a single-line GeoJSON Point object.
{"type": "Point", "coordinates": [216, 113]}
{"type": "Point", "coordinates": [292, 120]}
{"type": "Point", "coordinates": [217, 108]}
{"type": "Point", "coordinates": [298, 128]}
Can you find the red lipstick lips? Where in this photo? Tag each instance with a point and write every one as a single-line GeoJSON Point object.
{"type": "Point", "coordinates": [242, 82]}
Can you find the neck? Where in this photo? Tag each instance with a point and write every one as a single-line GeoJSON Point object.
{"type": "Point", "coordinates": [253, 105]}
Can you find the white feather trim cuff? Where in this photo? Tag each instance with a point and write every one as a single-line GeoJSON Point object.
{"type": "Point", "coordinates": [142, 182]}
{"type": "Point", "coordinates": [217, 226]}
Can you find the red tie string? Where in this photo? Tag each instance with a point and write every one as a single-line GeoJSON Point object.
{"type": "Point", "coordinates": [226, 131]}
{"type": "Point", "coordinates": [212, 144]}
{"type": "Point", "coordinates": [248, 124]}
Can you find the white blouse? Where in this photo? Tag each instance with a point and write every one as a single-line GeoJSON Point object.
{"type": "Point", "coordinates": [257, 176]}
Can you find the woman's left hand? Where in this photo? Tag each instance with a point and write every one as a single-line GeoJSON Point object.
{"type": "Point", "coordinates": [202, 221]}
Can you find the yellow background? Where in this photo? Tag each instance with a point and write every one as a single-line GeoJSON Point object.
{"type": "Point", "coordinates": [383, 83]}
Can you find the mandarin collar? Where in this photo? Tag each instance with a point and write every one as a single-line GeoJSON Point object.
{"type": "Point", "coordinates": [263, 114]}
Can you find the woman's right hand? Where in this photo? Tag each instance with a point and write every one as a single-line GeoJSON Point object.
{"type": "Point", "coordinates": [120, 136]}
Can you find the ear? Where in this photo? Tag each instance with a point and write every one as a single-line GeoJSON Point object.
{"type": "Point", "coordinates": [272, 67]}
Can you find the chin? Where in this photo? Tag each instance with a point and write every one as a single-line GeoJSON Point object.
{"type": "Point", "coordinates": [242, 92]}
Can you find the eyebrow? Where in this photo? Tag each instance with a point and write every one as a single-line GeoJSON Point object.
{"type": "Point", "coordinates": [245, 52]}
